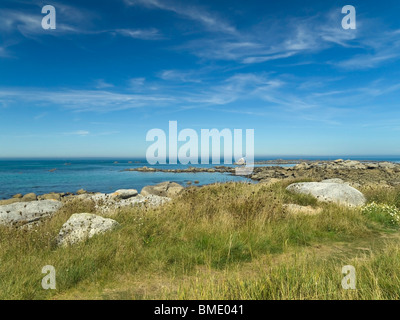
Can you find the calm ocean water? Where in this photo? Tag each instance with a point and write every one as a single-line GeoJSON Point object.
{"type": "Point", "coordinates": [38, 176]}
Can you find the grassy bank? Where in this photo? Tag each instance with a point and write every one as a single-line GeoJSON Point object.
{"type": "Point", "coordinates": [225, 241]}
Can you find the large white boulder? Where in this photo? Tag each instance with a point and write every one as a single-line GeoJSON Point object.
{"type": "Point", "coordinates": [330, 192]}
{"type": "Point", "coordinates": [82, 226]}
{"type": "Point", "coordinates": [27, 212]}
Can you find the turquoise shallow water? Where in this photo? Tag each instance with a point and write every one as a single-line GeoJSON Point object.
{"type": "Point", "coordinates": [25, 176]}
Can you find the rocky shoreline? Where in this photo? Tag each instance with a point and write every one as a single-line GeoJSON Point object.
{"type": "Point", "coordinates": [218, 169]}
{"type": "Point", "coordinates": [28, 213]}
{"type": "Point", "coordinates": [356, 172]}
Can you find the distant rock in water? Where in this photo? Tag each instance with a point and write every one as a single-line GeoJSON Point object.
{"type": "Point", "coordinates": [241, 162]}
{"type": "Point", "coordinates": [327, 191]}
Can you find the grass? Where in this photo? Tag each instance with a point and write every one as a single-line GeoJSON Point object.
{"type": "Point", "coordinates": [223, 241]}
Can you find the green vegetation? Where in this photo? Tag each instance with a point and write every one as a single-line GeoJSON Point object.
{"type": "Point", "coordinates": [223, 241]}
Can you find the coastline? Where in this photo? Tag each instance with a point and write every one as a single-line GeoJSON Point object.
{"type": "Point", "coordinates": [361, 172]}
{"type": "Point", "coordinates": [357, 173]}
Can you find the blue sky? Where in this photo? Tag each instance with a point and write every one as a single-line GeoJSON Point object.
{"type": "Point", "coordinates": [113, 70]}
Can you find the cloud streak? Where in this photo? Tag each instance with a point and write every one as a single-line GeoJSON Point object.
{"type": "Point", "coordinates": [209, 20]}
{"type": "Point", "coordinates": [83, 100]}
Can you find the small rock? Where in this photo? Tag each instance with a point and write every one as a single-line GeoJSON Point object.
{"type": "Point", "coordinates": [302, 166]}
{"type": "Point", "coordinates": [124, 194]}
{"type": "Point", "coordinates": [351, 164]}
{"type": "Point", "coordinates": [50, 196]}
{"type": "Point", "coordinates": [29, 197]}
{"type": "Point", "coordinates": [387, 165]}
{"type": "Point", "coordinates": [164, 189]}
{"type": "Point", "coordinates": [372, 165]}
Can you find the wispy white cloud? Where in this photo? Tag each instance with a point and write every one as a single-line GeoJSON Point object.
{"type": "Point", "coordinates": [3, 52]}
{"type": "Point", "coordinates": [137, 82]}
{"type": "Point", "coordinates": [260, 59]}
{"type": "Point", "coordinates": [77, 133]}
{"type": "Point", "coordinates": [275, 95]}
{"type": "Point", "coordinates": [380, 47]}
{"type": "Point", "coordinates": [297, 36]}
{"type": "Point", "coordinates": [102, 84]}
{"type": "Point", "coordinates": [368, 61]}
{"type": "Point", "coordinates": [181, 76]}
{"type": "Point", "coordinates": [209, 20]}
{"type": "Point", "coordinates": [29, 22]}
{"type": "Point", "coordinates": [71, 21]}
{"type": "Point", "coordinates": [84, 100]}
{"type": "Point", "coordinates": [144, 34]}
{"type": "Point", "coordinates": [40, 116]}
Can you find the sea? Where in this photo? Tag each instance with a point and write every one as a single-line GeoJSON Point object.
{"type": "Point", "coordinates": [43, 176]}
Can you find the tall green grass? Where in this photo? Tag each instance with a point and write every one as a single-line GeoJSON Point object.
{"type": "Point", "coordinates": [225, 231]}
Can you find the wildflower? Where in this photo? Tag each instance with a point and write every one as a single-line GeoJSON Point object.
{"type": "Point", "coordinates": [392, 212]}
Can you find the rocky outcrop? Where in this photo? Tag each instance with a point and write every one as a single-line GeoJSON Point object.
{"type": "Point", "coordinates": [83, 226]}
{"type": "Point", "coordinates": [27, 212]}
{"type": "Point", "coordinates": [355, 172]}
{"type": "Point", "coordinates": [164, 189]}
{"type": "Point", "coordinates": [330, 192]}
{"type": "Point", "coordinates": [220, 169]}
